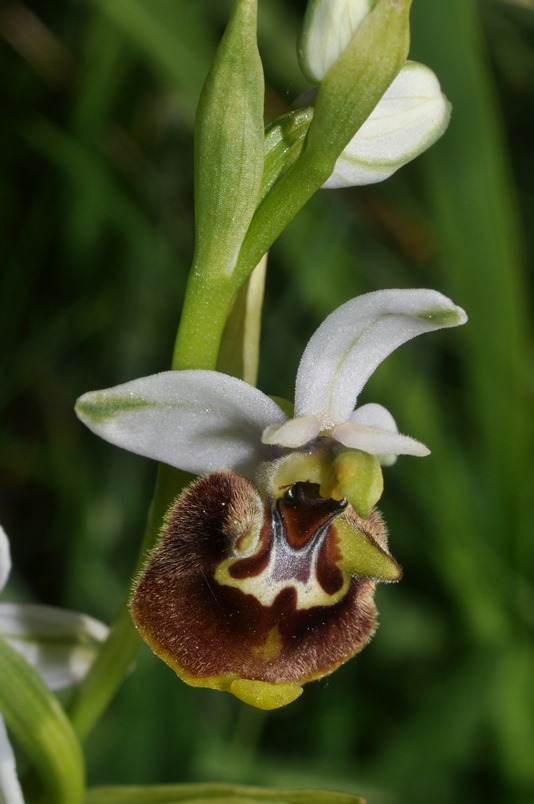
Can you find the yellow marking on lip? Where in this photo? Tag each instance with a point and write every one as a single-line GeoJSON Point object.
{"type": "Point", "coordinates": [272, 647]}
{"type": "Point", "coordinates": [264, 695]}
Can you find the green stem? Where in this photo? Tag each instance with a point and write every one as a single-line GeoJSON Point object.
{"type": "Point", "coordinates": [204, 314]}
{"type": "Point", "coordinates": [119, 650]}
{"type": "Point", "coordinates": [197, 346]}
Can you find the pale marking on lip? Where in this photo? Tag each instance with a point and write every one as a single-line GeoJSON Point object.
{"type": "Point", "coordinates": [284, 563]}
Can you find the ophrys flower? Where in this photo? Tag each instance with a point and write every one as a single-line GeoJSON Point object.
{"type": "Point", "coordinates": [264, 575]}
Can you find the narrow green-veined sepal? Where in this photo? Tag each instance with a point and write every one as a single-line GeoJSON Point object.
{"type": "Point", "coordinates": [229, 146]}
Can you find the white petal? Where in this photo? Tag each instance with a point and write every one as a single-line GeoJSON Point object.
{"type": "Point", "coordinates": [5, 558]}
{"type": "Point", "coordinates": [199, 421]}
{"type": "Point", "coordinates": [10, 790]}
{"type": "Point", "coordinates": [329, 25]}
{"type": "Point", "coordinates": [294, 433]}
{"type": "Point", "coordinates": [373, 415]}
{"type": "Point", "coordinates": [354, 339]}
{"type": "Point", "coordinates": [411, 115]}
{"type": "Point", "coordinates": [377, 416]}
{"type": "Point", "coordinates": [376, 441]}
{"type": "Point", "coordinates": [59, 644]}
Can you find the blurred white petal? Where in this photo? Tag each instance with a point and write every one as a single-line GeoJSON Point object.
{"type": "Point", "coordinates": [10, 790]}
{"type": "Point", "coordinates": [374, 415]}
{"type": "Point", "coordinates": [5, 558]}
{"type": "Point", "coordinates": [377, 416]}
{"type": "Point", "coordinates": [59, 644]}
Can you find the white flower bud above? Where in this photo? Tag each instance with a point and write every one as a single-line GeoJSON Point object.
{"type": "Point", "coordinates": [329, 26]}
{"type": "Point", "coordinates": [411, 115]}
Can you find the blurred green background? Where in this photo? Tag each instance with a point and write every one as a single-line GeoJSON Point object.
{"type": "Point", "coordinates": [96, 235]}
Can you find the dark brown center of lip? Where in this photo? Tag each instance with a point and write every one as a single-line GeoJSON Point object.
{"type": "Point", "coordinates": [304, 513]}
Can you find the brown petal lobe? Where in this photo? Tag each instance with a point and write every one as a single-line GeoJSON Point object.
{"type": "Point", "coordinates": [212, 632]}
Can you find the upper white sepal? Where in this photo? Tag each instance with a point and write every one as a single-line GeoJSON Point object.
{"type": "Point", "coordinates": [353, 340]}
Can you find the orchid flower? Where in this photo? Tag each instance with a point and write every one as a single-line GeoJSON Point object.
{"type": "Point", "coordinates": [264, 575]}
{"type": "Point", "coordinates": [59, 644]}
{"type": "Point", "coordinates": [411, 115]}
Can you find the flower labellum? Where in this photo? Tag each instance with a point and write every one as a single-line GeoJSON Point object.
{"type": "Point", "coordinates": [264, 575]}
{"type": "Point", "coordinates": [258, 597]}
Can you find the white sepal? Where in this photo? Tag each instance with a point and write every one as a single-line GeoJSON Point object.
{"type": "Point", "coordinates": [353, 340]}
{"type": "Point", "coordinates": [199, 421]}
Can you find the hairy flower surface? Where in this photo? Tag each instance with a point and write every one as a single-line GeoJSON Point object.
{"type": "Point", "coordinates": [264, 575]}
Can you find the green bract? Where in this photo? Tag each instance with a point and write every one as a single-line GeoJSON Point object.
{"type": "Point", "coordinates": [228, 175]}
{"type": "Point", "coordinates": [40, 726]}
{"type": "Point", "coordinates": [229, 146]}
{"type": "Point", "coordinates": [411, 115]}
{"type": "Point", "coordinates": [213, 794]}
